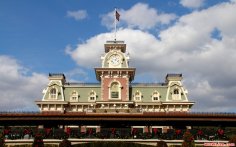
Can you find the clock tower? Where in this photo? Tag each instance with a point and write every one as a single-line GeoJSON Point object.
{"type": "Point", "coordinates": [115, 74]}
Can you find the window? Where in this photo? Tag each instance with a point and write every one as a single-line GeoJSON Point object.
{"type": "Point", "coordinates": [137, 96]}
{"type": "Point", "coordinates": [53, 93]}
{"type": "Point", "coordinates": [74, 96]}
{"type": "Point", "coordinates": [92, 96]}
{"type": "Point", "coordinates": [155, 96]}
{"type": "Point", "coordinates": [115, 94]}
{"type": "Point", "coordinates": [176, 91]}
{"type": "Point", "coordinates": [114, 90]}
{"type": "Point", "coordinates": [176, 94]}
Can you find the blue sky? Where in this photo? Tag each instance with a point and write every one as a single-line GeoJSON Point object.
{"type": "Point", "coordinates": [32, 30]}
{"type": "Point", "coordinates": [193, 37]}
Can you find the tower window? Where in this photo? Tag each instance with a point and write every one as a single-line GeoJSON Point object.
{"type": "Point", "coordinates": [176, 91]}
{"type": "Point", "coordinates": [176, 94]}
{"type": "Point", "coordinates": [115, 90]}
{"type": "Point", "coordinates": [115, 94]}
{"type": "Point", "coordinates": [53, 93]}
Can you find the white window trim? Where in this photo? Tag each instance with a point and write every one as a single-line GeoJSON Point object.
{"type": "Point", "coordinates": [137, 96]}
{"type": "Point", "coordinates": [176, 97]}
{"type": "Point", "coordinates": [154, 95]}
{"type": "Point", "coordinates": [119, 90]}
{"type": "Point", "coordinates": [51, 96]}
{"type": "Point", "coordinates": [94, 95]}
{"type": "Point", "coordinates": [74, 95]}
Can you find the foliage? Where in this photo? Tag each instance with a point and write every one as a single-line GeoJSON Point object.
{"type": "Point", "coordinates": [233, 140]}
{"type": "Point", "coordinates": [111, 144]}
{"type": "Point", "coordinates": [65, 143]}
{"type": "Point", "coordinates": [1, 140]}
{"type": "Point", "coordinates": [38, 141]}
{"type": "Point", "coordinates": [203, 133]}
{"type": "Point", "coordinates": [188, 139]}
{"type": "Point", "coordinates": [162, 144]}
{"type": "Point", "coordinates": [60, 134]}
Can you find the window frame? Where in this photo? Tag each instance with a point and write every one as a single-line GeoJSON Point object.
{"type": "Point", "coordinates": [53, 95]}
{"type": "Point", "coordinates": [92, 96]}
{"type": "Point", "coordinates": [118, 90]}
{"type": "Point", "coordinates": [156, 94]}
{"type": "Point", "coordinates": [137, 96]}
{"type": "Point", "coordinates": [176, 95]}
{"type": "Point", "coordinates": [74, 96]}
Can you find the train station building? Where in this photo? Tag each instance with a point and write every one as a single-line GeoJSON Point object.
{"type": "Point", "coordinates": [114, 92]}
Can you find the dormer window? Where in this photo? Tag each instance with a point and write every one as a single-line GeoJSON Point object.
{"type": "Point", "coordinates": [155, 96]}
{"type": "Point", "coordinates": [176, 94]}
{"type": "Point", "coordinates": [92, 96]}
{"type": "Point", "coordinates": [53, 93]}
{"type": "Point", "coordinates": [176, 91]}
{"type": "Point", "coordinates": [74, 96]}
{"type": "Point", "coordinates": [137, 96]}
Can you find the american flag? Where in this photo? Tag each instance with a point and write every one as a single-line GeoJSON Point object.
{"type": "Point", "coordinates": [117, 16]}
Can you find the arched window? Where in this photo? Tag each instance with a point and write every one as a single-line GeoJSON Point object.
{"type": "Point", "coordinates": [176, 91]}
{"type": "Point", "coordinates": [155, 96]}
{"type": "Point", "coordinates": [53, 93]}
{"type": "Point", "coordinates": [74, 96]}
{"type": "Point", "coordinates": [137, 96]}
{"type": "Point", "coordinates": [115, 90]}
{"type": "Point", "coordinates": [176, 94]}
{"type": "Point", "coordinates": [92, 96]}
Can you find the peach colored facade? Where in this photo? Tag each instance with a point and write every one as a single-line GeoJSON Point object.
{"type": "Point", "coordinates": [123, 87]}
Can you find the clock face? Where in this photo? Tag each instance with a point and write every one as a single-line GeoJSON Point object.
{"type": "Point", "coordinates": [115, 59]}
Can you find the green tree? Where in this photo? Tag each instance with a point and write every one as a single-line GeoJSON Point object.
{"type": "Point", "coordinates": [162, 144]}
{"type": "Point", "coordinates": [233, 140]}
{"type": "Point", "coordinates": [188, 140]}
{"type": "Point", "coordinates": [38, 141]}
{"type": "Point", "coordinates": [2, 141]}
{"type": "Point", "coordinates": [65, 143]}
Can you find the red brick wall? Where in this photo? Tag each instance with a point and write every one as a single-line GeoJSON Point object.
{"type": "Point", "coordinates": [106, 83]}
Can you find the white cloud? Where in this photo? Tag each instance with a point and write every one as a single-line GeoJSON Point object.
{"type": "Point", "coordinates": [77, 15]}
{"type": "Point", "coordinates": [87, 54]}
{"type": "Point", "coordinates": [186, 47]}
{"type": "Point", "coordinates": [139, 16]}
{"type": "Point", "coordinates": [19, 90]}
{"type": "Point", "coordinates": [76, 75]}
{"type": "Point", "coordinates": [192, 3]}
